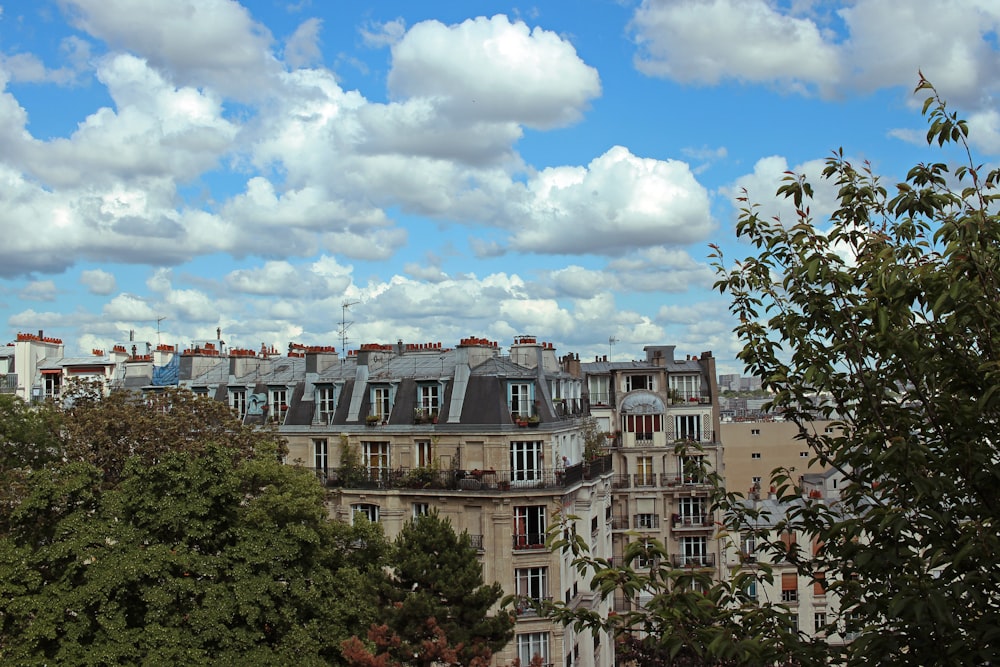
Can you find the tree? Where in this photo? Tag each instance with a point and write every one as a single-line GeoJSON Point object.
{"type": "Point", "coordinates": [884, 322]}
{"type": "Point", "coordinates": [29, 435]}
{"type": "Point", "coordinates": [887, 322]}
{"type": "Point", "coordinates": [204, 557]}
{"type": "Point", "coordinates": [108, 431]}
{"type": "Point", "coordinates": [436, 604]}
{"type": "Point", "coordinates": [678, 616]}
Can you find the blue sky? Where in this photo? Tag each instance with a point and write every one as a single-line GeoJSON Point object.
{"type": "Point", "coordinates": [452, 168]}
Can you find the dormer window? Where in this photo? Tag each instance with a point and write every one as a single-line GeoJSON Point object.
{"type": "Point", "coordinates": [429, 398]}
{"type": "Point", "coordinates": [238, 401]}
{"type": "Point", "coordinates": [381, 401]}
{"type": "Point", "coordinates": [519, 398]}
{"type": "Point", "coordinates": [326, 399]}
{"type": "Point", "coordinates": [636, 382]}
{"type": "Point", "coordinates": [278, 401]}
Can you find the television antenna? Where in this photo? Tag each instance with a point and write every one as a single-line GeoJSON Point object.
{"type": "Point", "coordinates": [158, 320]}
{"type": "Point", "coordinates": [611, 347]}
{"type": "Point", "coordinates": [344, 326]}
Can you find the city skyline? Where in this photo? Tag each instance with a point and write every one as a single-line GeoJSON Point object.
{"type": "Point", "coordinates": [483, 169]}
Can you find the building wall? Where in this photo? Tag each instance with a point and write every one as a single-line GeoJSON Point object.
{"type": "Point", "coordinates": [755, 448]}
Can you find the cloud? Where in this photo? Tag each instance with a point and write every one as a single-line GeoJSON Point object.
{"type": "Point", "coordinates": [98, 281]}
{"type": "Point", "coordinates": [493, 70]}
{"type": "Point", "coordinates": [825, 48]}
{"type": "Point", "coordinates": [706, 41]}
{"type": "Point", "coordinates": [618, 202]}
{"type": "Point", "coordinates": [40, 290]}
{"type": "Point", "coordinates": [199, 43]}
{"type": "Point", "coordinates": [302, 48]}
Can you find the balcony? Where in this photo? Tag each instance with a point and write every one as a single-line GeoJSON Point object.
{"type": "Point", "coordinates": [646, 521]}
{"type": "Point", "coordinates": [528, 541]}
{"type": "Point", "coordinates": [693, 560]}
{"type": "Point", "coordinates": [683, 522]}
{"type": "Point", "coordinates": [8, 383]}
{"type": "Point", "coordinates": [523, 606]}
{"type": "Point", "coordinates": [491, 481]}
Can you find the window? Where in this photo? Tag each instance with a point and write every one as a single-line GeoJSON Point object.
{"type": "Point", "coordinates": [644, 471]}
{"type": "Point", "coordinates": [755, 431]}
{"type": "Point", "coordinates": [819, 586]}
{"type": "Point", "coordinates": [694, 551]}
{"type": "Point", "coordinates": [320, 454]}
{"type": "Point", "coordinates": [376, 458]}
{"type": "Point", "coordinates": [531, 645]}
{"type": "Point", "coordinates": [532, 582]}
{"type": "Point", "coordinates": [789, 587]}
{"type": "Point", "coordinates": [53, 384]}
{"type": "Point", "coordinates": [751, 589]}
{"type": "Point", "coordinates": [828, 429]}
{"type": "Point", "coordinates": [427, 398]}
{"type": "Point", "coordinates": [685, 387]}
{"type": "Point", "coordinates": [599, 388]}
{"type": "Point", "coordinates": [644, 426]}
{"type": "Point", "coordinates": [381, 402]}
{"type": "Point", "coordinates": [636, 382]}
{"type": "Point", "coordinates": [519, 399]}
{"type": "Point", "coordinates": [755, 455]}
{"type": "Point", "coordinates": [238, 401]}
{"type": "Point", "coordinates": [420, 509]}
{"type": "Point", "coordinates": [692, 511]}
{"type": "Point", "coordinates": [529, 526]}
{"type": "Point", "coordinates": [646, 558]}
{"type": "Point", "coordinates": [756, 481]}
{"type": "Point", "coordinates": [423, 454]}
{"type": "Point", "coordinates": [367, 509]}
{"type": "Point", "coordinates": [795, 622]}
{"type": "Point", "coordinates": [687, 427]}
{"type": "Point", "coordinates": [691, 469]}
{"type": "Point", "coordinates": [278, 402]}
{"type": "Point", "coordinates": [525, 462]}
{"type": "Point", "coordinates": [326, 400]}
{"type": "Point", "coordinates": [819, 621]}
{"type": "Point", "coordinates": [646, 521]}
{"type": "Point", "coordinates": [748, 547]}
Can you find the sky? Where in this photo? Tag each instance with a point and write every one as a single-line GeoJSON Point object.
{"type": "Point", "coordinates": [449, 169]}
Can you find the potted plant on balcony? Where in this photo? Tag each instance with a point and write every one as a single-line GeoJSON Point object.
{"type": "Point", "coordinates": [534, 421]}
{"type": "Point", "coordinates": [372, 420]}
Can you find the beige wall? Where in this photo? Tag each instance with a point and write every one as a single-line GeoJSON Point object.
{"type": "Point", "coordinates": [754, 449]}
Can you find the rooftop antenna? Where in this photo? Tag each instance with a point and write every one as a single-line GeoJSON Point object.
{"type": "Point", "coordinates": [158, 320]}
{"type": "Point", "coordinates": [344, 325]}
{"type": "Point", "coordinates": [611, 347]}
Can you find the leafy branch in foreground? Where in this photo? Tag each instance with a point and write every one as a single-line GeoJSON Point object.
{"type": "Point", "coordinates": [886, 322]}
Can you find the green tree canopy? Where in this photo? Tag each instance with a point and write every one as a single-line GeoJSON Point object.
{"type": "Point", "coordinates": [882, 318]}
{"type": "Point", "coordinates": [189, 560]}
{"type": "Point", "coordinates": [436, 604]}
{"type": "Point", "coordinates": [885, 319]}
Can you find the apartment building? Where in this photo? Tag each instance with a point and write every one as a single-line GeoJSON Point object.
{"type": "Point", "coordinates": [814, 610]}
{"type": "Point", "coordinates": [492, 441]}
{"type": "Point", "coordinates": [662, 417]}
{"type": "Point", "coordinates": [755, 448]}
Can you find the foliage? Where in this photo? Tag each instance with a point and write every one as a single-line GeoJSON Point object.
{"type": "Point", "coordinates": [195, 558]}
{"type": "Point", "coordinates": [887, 322]}
{"type": "Point", "coordinates": [108, 431]}
{"type": "Point", "coordinates": [678, 616]}
{"type": "Point", "coordinates": [351, 473]}
{"type": "Point", "coordinates": [436, 604]}
{"type": "Point", "coordinates": [29, 435]}
{"type": "Point", "coordinates": [593, 439]}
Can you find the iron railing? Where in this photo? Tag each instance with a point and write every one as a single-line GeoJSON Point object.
{"type": "Point", "coordinates": [463, 480]}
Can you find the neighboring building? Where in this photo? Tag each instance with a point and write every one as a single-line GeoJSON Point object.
{"type": "Point", "coordinates": [813, 608]}
{"type": "Point", "coordinates": [493, 441]}
{"type": "Point", "coordinates": [663, 417]}
{"type": "Point", "coordinates": [470, 432]}
{"type": "Point", "coordinates": [753, 449]}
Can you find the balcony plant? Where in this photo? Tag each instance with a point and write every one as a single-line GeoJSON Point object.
{"type": "Point", "coordinates": [372, 420]}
